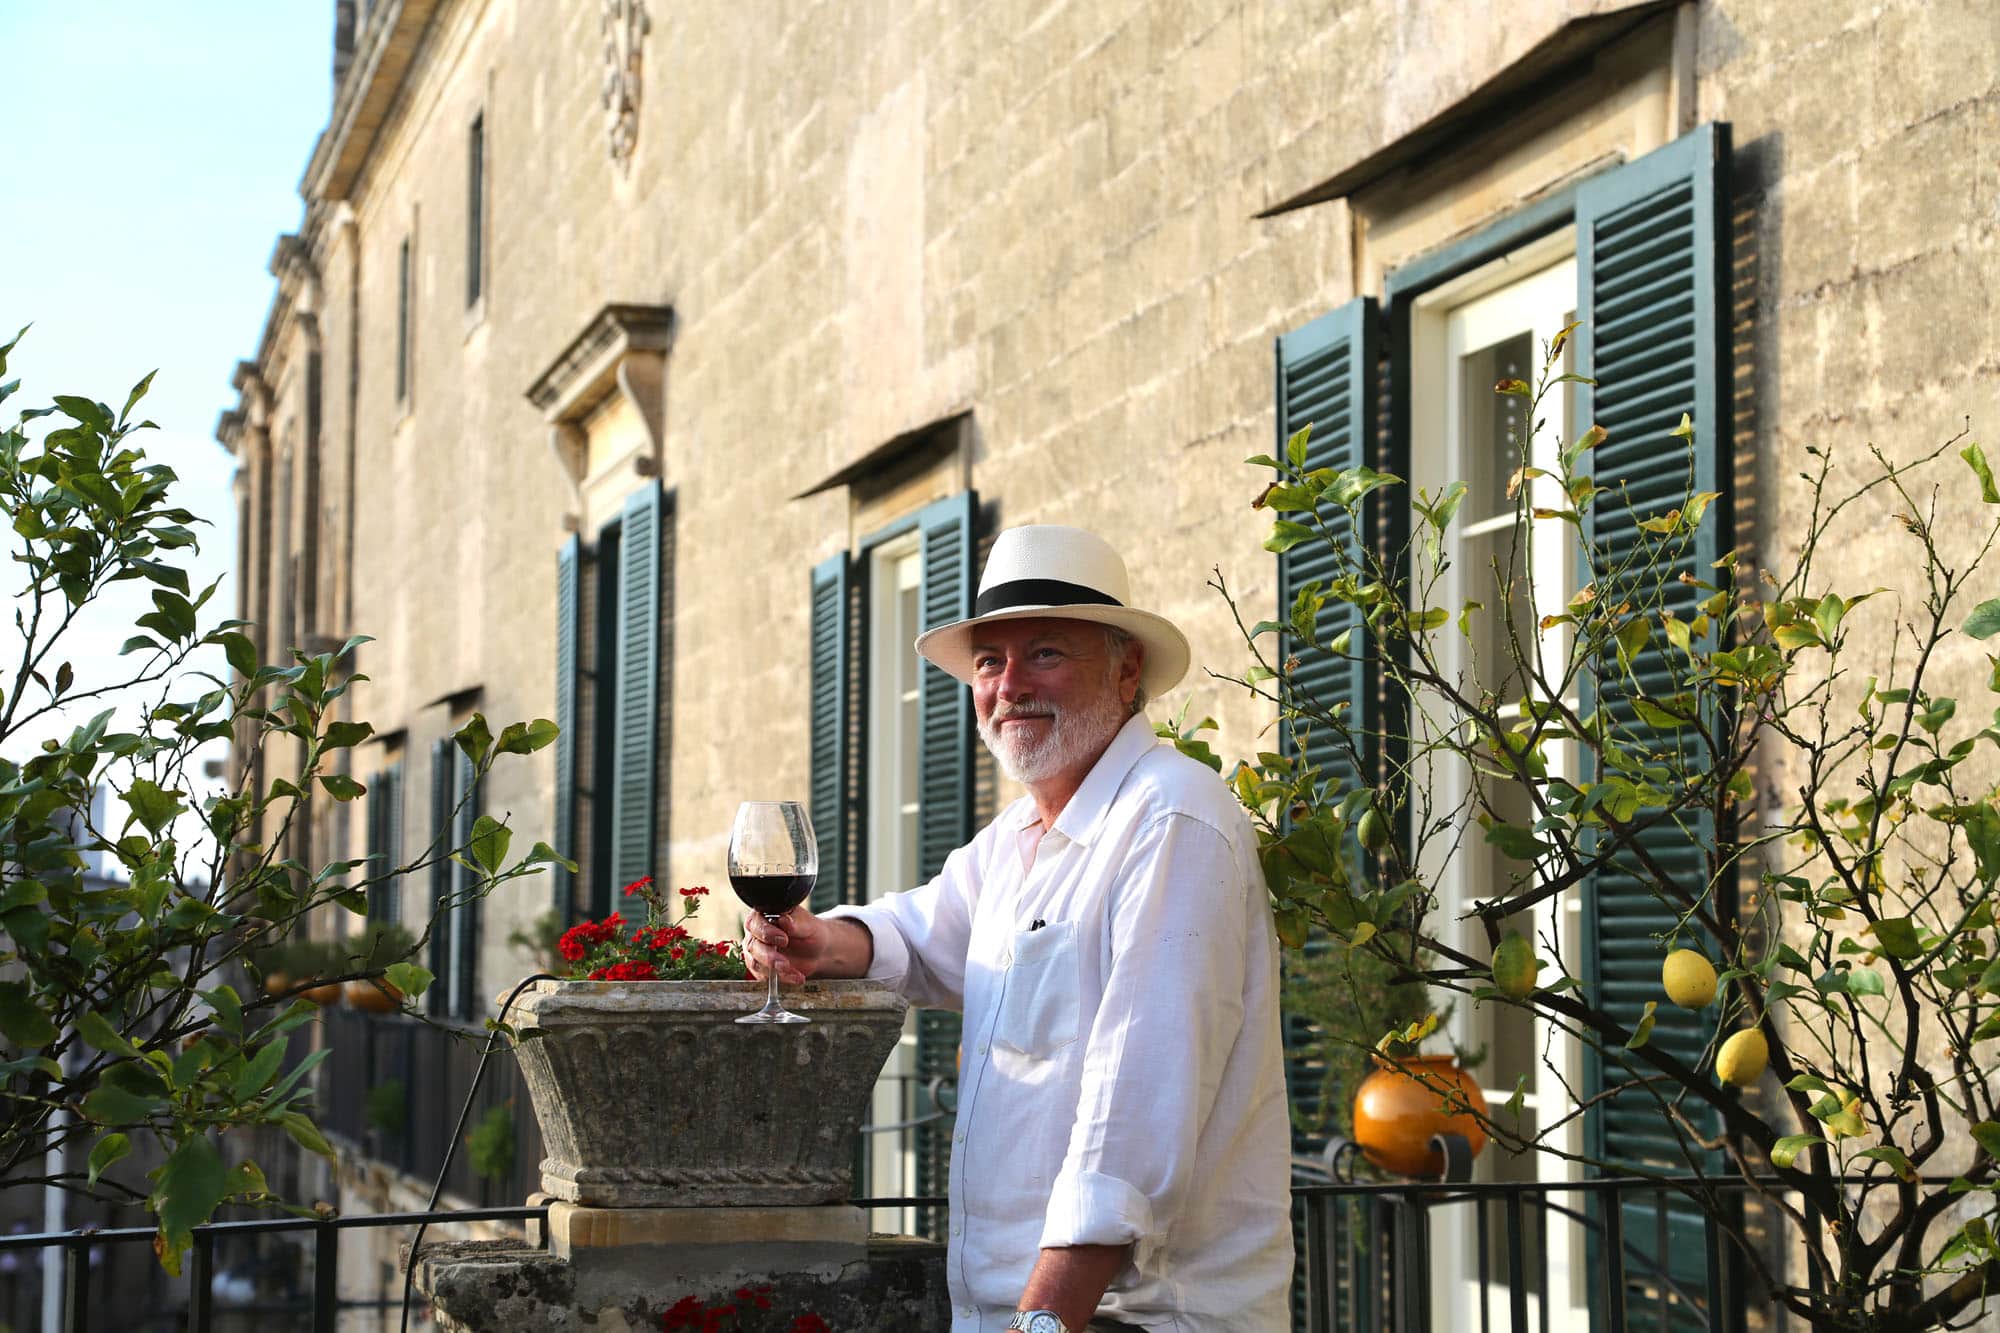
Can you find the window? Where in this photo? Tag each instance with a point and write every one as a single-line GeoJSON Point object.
{"type": "Point", "coordinates": [613, 659]}
{"type": "Point", "coordinates": [1639, 254]}
{"type": "Point", "coordinates": [888, 811]}
{"type": "Point", "coordinates": [385, 845]}
{"type": "Point", "coordinates": [455, 915]}
{"type": "Point", "coordinates": [403, 322]}
{"type": "Point", "coordinates": [475, 210]}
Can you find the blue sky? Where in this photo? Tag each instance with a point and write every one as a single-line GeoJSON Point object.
{"type": "Point", "coordinates": [151, 157]}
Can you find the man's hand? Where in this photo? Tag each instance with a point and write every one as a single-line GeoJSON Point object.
{"type": "Point", "coordinates": [800, 945]}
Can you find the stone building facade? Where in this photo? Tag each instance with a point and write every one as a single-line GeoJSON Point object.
{"type": "Point", "coordinates": [660, 368]}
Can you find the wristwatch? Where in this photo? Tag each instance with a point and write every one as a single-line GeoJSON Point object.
{"type": "Point", "coordinates": [1038, 1321]}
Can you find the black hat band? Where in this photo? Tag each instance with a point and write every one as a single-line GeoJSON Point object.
{"type": "Point", "coordinates": [1038, 592]}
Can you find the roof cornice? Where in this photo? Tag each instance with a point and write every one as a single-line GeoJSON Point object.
{"type": "Point", "coordinates": [389, 45]}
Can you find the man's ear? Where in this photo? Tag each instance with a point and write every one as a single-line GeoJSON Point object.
{"type": "Point", "coordinates": [1129, 672]}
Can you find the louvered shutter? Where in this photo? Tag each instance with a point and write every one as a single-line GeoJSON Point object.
{"type": "Point", "coordinates": [944, 786]}
{"type": "Point", "coordinates": [392, 844]}
{"type": "Point", "coordinates": [439, 955]}
{"type": "Point", "coordinates": [465, 918]}
{"type": "Point", "coordinates": [569, 596]}
{"type": "Point", "coordinates": [1652, 264]}
{"type": "Point", "coordinates": [831, 783]}
{"type": "Point", "coordinates": [1326, 378]}
{"type": "Point", "coordinates": [637, 685]}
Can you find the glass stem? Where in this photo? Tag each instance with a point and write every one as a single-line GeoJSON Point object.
{"type": "Point", "coordinates": [771, 981]}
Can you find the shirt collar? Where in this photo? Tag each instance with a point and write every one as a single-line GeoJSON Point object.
{"type": "Point", "coordinates": [1086, 809]}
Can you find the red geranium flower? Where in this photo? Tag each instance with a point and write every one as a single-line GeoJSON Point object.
{"type": "Point", "coordinates": [809, 1323]}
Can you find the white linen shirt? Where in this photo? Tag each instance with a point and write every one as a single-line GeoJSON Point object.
{"type": "Point", "coordinates": [1123, 1076]}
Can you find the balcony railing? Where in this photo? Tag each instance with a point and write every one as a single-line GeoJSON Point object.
{"type": "Point", "coordinates": [393, 1090]}
{"type": "Point", "coordinates": [1372, 1256]}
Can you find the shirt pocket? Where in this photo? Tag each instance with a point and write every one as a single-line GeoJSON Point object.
{"type": "Point", "coordinates": [1038, 1007]}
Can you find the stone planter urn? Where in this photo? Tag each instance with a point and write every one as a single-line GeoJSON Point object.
{"type": "Point", "coordinates": [651, 1095]}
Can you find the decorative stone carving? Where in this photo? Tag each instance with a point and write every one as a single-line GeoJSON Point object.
{"type": "Point", "coordinates": [651, 1095]}
{"type": "Point", "coordinates": [625, 27]}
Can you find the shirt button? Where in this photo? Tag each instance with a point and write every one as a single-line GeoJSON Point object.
{"type": "Point", "coordinates": [955, 1228]}
{"type": "Point", "coordinates": [958, 1138]}
{"type": "Point", "coordinates": [982, 1048]}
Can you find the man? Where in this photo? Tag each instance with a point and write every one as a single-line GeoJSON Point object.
{"type": "Point", "coordinates": [1121, 1152]}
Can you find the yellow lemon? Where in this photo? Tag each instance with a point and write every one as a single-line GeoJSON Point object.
{"type": "Point", "coordinates": [1689, 979]}
{"type": "Point", "coordinates": [1515, 965]}
{"type": "Point", "coordinates": [1742, 1058]}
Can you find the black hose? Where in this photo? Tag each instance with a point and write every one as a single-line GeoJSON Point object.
{"type": "Point", "coordinates": [458, 1131]}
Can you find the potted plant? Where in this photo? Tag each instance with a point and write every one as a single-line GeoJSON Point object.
{"type": "Point", "coordinates": [735, 1114]}
{"type": "Point", "coordinates": [380, 946]}
{"type": "Point", "coordinates": [1411, 1097]}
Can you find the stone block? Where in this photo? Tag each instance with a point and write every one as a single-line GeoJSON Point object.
{"type": "Point", "coordinates": [574, 1227]}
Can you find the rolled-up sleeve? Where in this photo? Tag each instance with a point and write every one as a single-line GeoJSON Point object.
{"type": "Point", "coordinates": [1172, 1009]}
{"type": "Point", "coordinates": [921, 936]}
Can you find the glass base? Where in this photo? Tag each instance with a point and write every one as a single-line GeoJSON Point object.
{"type": "Point", "coordinates": [774, 1016]}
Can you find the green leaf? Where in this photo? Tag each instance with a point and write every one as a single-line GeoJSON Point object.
{"type": "Point", "coordinates": [341, 787]}
{"type": "Point", "coordinates": [1295, 447]}
{"type": "Point", "coordinates": [543, 854]}
{"type": "Point", "coordinates": [341, 735]}
{"type": "Point", "coordinates": [1286, 534]}
{"type": "Point", "coordinates": [96, 1029]}
{"type": "Point", "coordinates": [1898, 937]}
{"type": "Point", "coordinates": [1984, 622]}
{"type": "Point", "coordinates": [192, 1182]}
{"type": "Point", "coordinates": [228, 1008]}
{"type": "Point", "coordinates": [108, 1150]}
{"type": "Point", "coordinates": [1643, 1031]}
{"type": "Point", "coordinates": [475, 738]}
{"type": "Point", "coordinates": [525, 737]}
{"type": "Point", "coordinates": [241, 653]}
{"type": "Point", "coordinates": [489, 843]}
{"type": "Point", "coordinates": [259, 1069]}
{"type": "Point", "coordinates": [1893, 1158]}
{"type": "Point", "coordinates": [306, 1134]}
{"type": "Point", "coordinates": [22, 1021]}
{"type": "Point", "coordinates": [1786, 1150]}
{"type": "Point", "coordinates": [1516, 842]}
{"type": "Point", "coordinates": [1975, 458]}
{"type": "Point", "coordinates": [152, 806]}
{"type": "Point", "coordinates": [412, 979]}
{"type": "Point", "coordinates": [1987, 1135]}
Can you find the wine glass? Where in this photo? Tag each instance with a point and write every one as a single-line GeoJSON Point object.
{"type": "Point", "coordinates": [773, 861]}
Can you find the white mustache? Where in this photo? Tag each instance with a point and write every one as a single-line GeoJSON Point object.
{"type": "Point", "coordinates": [1021, 711]}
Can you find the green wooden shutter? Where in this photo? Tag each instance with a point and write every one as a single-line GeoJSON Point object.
{"type": "Point", "coordinates": [439, 995]}
{"type": "Point", "coordinates": [944, 785]}
{"type": "Point", "coordinates": [465, 918]}
{"type": "Point", "coordinates": [830, 795]}
{"type": "Point", "coordinates": [569, 597]}
{"type": "Point", "coordinates": [638, 676]}
{"type": "Point", "coordinates": [1652, 265]}
{"type": "Point", "coordinates": [392, 843]}
{"type": "Point", "coordinates": [1326, 378]}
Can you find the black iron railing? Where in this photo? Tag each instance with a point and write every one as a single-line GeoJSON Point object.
{"type": "Point", "coordinates": [304, 1297]}
{"type": "Point", "coordinates": [394, 1088]}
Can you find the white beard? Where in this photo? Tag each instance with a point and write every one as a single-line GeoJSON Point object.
{"type": "Point", "coordinates": [1074, 736]}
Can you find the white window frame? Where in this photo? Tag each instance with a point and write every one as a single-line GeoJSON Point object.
{"type": "Point", "coordinates": [894, 570]}
{"type": "Point", "coordinates": [1530, 289]}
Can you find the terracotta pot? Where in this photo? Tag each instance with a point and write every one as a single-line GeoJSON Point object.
{"type": "Point", "coordinates": [650, 1093]}
{"type": "Point", "coordinates": [373, 996]}
{"type": "Point", "coordinates": [321, 993]}
{"type": "Point", "coordinates": [276, 983]}
{"type": "Point", "coordinates": [1395, 1114]}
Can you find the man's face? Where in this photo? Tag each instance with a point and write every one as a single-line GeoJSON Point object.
{"type": "Point", "coordinates": [1049, 696]}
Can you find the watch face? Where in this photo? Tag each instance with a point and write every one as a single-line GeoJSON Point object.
{"type": "Point", "coordinates": [1044, 1322]}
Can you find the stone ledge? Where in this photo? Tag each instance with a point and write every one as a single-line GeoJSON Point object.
{"type": "Point", "coordinates": [573, 1227]}
{"type": "Point", "coordinates": [894, 1285]}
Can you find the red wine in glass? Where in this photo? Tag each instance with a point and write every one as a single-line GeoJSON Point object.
{"type": "Point", "coordinates": [773, 895]}
{"type": "Point", "coordinates": [773, 861]}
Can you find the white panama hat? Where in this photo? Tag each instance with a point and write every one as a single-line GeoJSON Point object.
{"type": "Point", "coordinates": [1045, 570]}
